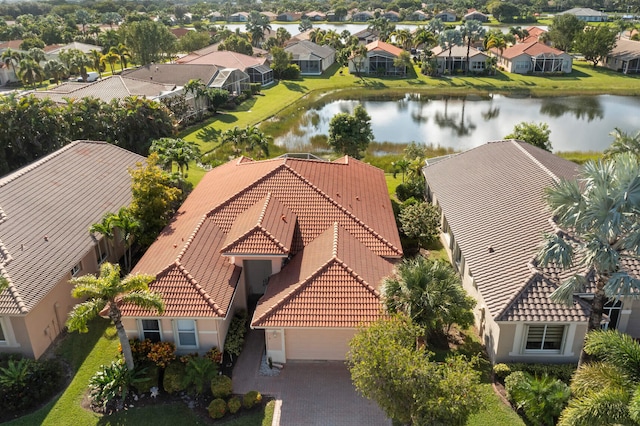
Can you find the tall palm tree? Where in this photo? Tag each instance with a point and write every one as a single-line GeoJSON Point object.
{"type": "Point", "coordinates": [55, 69]}
{"type": "Point", "coordinates": [108, 291]}
{"type": "Point", "coordinates": [436, 26]}
{"type": "Point", "coordinates": [95, 31]}
{"type": "Point", "coordinates": [104, 227]}
{"type": "Point", "coordinates": [598, 214]}
{"type": "Point", "coordinates": [30, 72]}
{"type": "Point", "coordinates": [430, 293]}
{"type": "Point", "coordinates": [623, 142]}
{"type": "Point", "coordinates": [403, 37]}
{"type": "Point", "coordinates": [111, 59]}
{"type": "Point", "coordinates": [80, 62]}
{"type": "Point", "coordinates": [11, 58]}
{"type": "Point", "coordinates": [36, 54]}
{"type": "Point", "coordinates": [606, 391]}
{"type": "Point", "coordinates": [235, 137]}
{"type": "Point", "coordinates": [519, 33]}
{"type": "Point", "coordinates": [198, 89]}
{"type": "Point", "coordinates": [176, 151]}
{"type": "Point", "coordinates": [472, 31]}
{"type": "Point", "coordinates": [123, 53]}
{"type": "Point", "coordinates": [495, 40]}
{"type": "Point", "coordinates": [96, 59]}
{"type": "Point", "coordinates": [422, 36]}
{"type": "Point", "coordinates": [447, 40]}
{"type": "Point", "coordinates": [258, 24]}
{"type": "Point", "coordinates": [317, 35]}
{"type": "Point", "coordinates": [127, 225]}
{"type": "Point", "coordinates": [256, 139]}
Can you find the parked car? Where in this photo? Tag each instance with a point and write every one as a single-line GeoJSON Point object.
{"type": "Point", "coordinates": [91, 77]}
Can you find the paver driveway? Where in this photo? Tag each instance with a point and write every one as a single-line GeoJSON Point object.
{"type": "Point", "coordinates": [312, 393]}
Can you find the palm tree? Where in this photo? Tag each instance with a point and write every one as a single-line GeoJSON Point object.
{"type": "Point", "coordinates": [447, 40]}
{"type": "Point", "coordinates": [198, 89]}
{"type": "Point", "coordinates": [11, 58]}
{"type": "Point", "coordinates": [316, 35]}
{"type": "Point", "coordinates": [519, 33]}
{"type": "Point", "coordinates": [597, 213]}
{"type": "Point", "coordinates": [30, 72]}
{"type": "Point", "coordinates": [235, 137]}
{"type": "Point", "coordinates": [96, 58]}
{"type": "Point", "coordinates": [256, 139]}
{"type": "Point", "coordinates": [104, 227]}
{"type": "Point", "coordinates": [55, 69]}
{"type": "Point", "coordinates": [495, 40]}
{"type": "Point", "coordinates": [110, 58]}
{"type": "Point", "coordinates": [94, 30]}
{"type": "Point", "coordinates": [605, 392]}
{"type": "Point", "coordinates": [542, 399]}
{"type": "Point", "coordinates": [436, 26]}
{"type": "Point", "coordinates": [128, 226]}
{"type": "Point", "coordinates": [79, 63]}
{"type": "Point", "coordinates": [258, 24]}
{"type": "Point", "coordinates": [403, 37]}
{"type": "Point", "coordinates": [36, 54]}
{"type": "Point", "coordinates": [358, 55]}
{"type": "Point", "coordinates": [430, 293]}
{"type": "Point", "coordinates": [623, 142]}
{"type": "Point", "coordinates": [423, 36]}
{"type": "Point", "coordinates": [473, 31]}
{"type": "Point", "coordinates": [177, 151]}
{"type": "Point", "coordinates": [123, 53]}
{"type": "Point", "coordinates": [109, 291]}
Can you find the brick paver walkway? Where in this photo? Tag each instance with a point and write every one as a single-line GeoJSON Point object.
{"type": "Point", "coordinates": [312, 393]}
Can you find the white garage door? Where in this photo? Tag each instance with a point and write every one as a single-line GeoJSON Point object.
{"type": "Point", "coordinates": [317, 344]}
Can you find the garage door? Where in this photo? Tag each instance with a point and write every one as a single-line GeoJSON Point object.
{"type": "Point", "coordinates": [317, 344]}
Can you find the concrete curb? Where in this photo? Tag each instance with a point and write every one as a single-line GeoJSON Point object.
{"type": "Point", "coordinates": [276, 413]}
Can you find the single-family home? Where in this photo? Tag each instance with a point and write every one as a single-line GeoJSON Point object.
{"type": "Point", "coordinates": [493, 217]}
{"type": "Point", "coordinates": [586, 14]}
{"type": "Point", "coordinates": [309, 240]}
{"type": "Point", "coordinates": [239, 17]}
{"type": "Point", "coordinates": [215, 16]}
{"type": "Point", "coordinates": [366, 36]}
{"type": "Point", "coordinates": [419, 15]}
{"type": "Point", "coordinates": [83, 47]}
{"type": "Point", "coordinates": [362, 16]}
{"type": "Point", "coordinates": [457, 59]}
{"type": "Point", "coordinates": [270, 15]}
{"type": "Point", "coordinates": [315, 16]}
{"type": "Point", "coordinates": [312, 58]}
{"type": "Point", "coordinates": [534, 57]}
{"type": "Point", "coordinates": [446, 16]}
{"type": "Point", "coordinates": [624, 57]}
{"type": "Point", "coordinates": [391, 16]}
{"type": "Point", "coordinates": [474, 15]}
{"type": "Point", "coordinates": [257, 68]}
{"type": "Point", "coordinates": [534, 34]}
{"type": "Point", "coordinates": [173, 74]}
{"type": "Point", "coordinates": [289, 16]}
{"type": "Point", "coordinates": [333, 17]}
{"type": "Point", "coordinates": [46, 209]}
{"type": "Point", "coordinates": [379, 60]}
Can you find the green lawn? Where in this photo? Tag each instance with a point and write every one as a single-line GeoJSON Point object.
{"type": "Point", "coordinates": [85, 353]}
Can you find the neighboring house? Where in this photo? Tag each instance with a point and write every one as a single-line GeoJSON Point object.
{"type": "Point", "coordinates": [474, 15]}
{"type": "Point", "coordinates": [332, 17]}
{"type": "Point", "coordinates": [232, 80]}
{"type": "Point", "coordinates": [270, 15]}
{"type": "Point", "coordinates": [312, 59]}
{"type": "Point", "coordinates": [309, 240]}
{"type": "Point", "coordinates": [289, 16]}
{"type": "Point", "coordinates": [257, 68]}
{"type": "Point", "coordinates": [446, 16]}
{"type": "Point", "coordinates": [493, 217]}
{"type": "Point", "coordinates": [46, 209]}
{"type": "Point", "coordinates": [363, 16]}
{"type": "Point", "coordinates": [391, 16]}
{"type": "Point", "coordinates": [379, 60]}
{"type": "Point", "coordinates": [215, 16]}
{"type": "Point", "coordinates": [534, 57]}
{"type": "Point", "coordinates": [305, 35]}
{"type": "Point", "coordinates": [419, 15]}
{"type": "Point", "coordinates": [181, 32]}
{"type": "Point", "coordinates": [366, 36]}
{"type": "Point", "coordinates": [83, 47]}
{"type": "Point", "coordinates": [239, 17]}
{"type": "Point", "coordinates": [173, 74]}
{"type": "Point", "coordinates": [458, 59]}
{"type": "Point", "coordinates": [535, 33]}
{"type": "Point", "coordinates": [315, 16]}
{"type": "Point", "coordinates": [107, 89]}
{"type": "Point", "coordinates": [625, 57]}
{"type": "Point", "coordinates": [586, 14]}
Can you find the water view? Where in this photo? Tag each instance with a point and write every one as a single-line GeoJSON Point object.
{"type": "Point", "coordinates": [580, 123]}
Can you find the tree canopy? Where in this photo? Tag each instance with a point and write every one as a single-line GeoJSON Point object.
{"type": "Point", "coordinates": [595, 43]}
{"type": "Point", "coordinates": [350, 134]}
{"type": "Point", "coordinates": [564, 29]}
{"type": "Point", "coordinates": [532, 133]}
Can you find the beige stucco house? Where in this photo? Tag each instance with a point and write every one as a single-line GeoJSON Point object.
{"type": "Point", "coordinates": [307, 241]}
{"type": "Point", "coordinates": [46, 209]}
{"type": "Point", "coordinates": [625, 57]}
{"type": "Point", "coordinates": [533, 57]}
{"type": "Point", "coordinates": [379, 60]}
{"type": "Point", "coordinates": [493, 217]}
{"type": "Point", "coordinates": [456, 60]}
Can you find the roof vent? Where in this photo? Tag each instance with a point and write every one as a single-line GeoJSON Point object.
{"type": "Point", "coordinates": [284, 218]}
{"type": "Point", "coordinates": [490, 249]}
{"type": "Point", "coordinates": [46, 238]}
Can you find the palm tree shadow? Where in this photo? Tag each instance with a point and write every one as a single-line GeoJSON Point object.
{"type": "Point", "coordinates": [296, 87]}
{"type": "Point", "coordinates": [208, 134]}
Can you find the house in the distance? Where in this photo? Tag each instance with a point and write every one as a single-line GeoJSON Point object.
{"type": "Point", "coordinates": [534, 57]}
{"type": "Point", "coordinates": [379, 60]}
{"type": "Point", "coordinates": [586, 14]}
{"type": "Point", "coordinates": [624, 57]}
{"type": "Point", "coordinates": [309, 240]}
{"type": "Point", "coordinates": [46, 209]}
{"type": "Point", "coordinates": [312, 58]}
{"type": "Point", "coordinates": [446, 16]}
{"type": "Point", "coordinates": [493, 217]}
{"type": "Point", "coordinates": [257, 68]}
{"type": "Point", "coordinates": [474, 15]}
{"type": "Point", "coordinates": [456, 60]}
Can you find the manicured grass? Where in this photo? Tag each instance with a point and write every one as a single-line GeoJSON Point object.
{"type": "Point", "coordinates": [579, 156]}
{"type": "Point", "coordinates": [392, 183]}
{"type": "Point", "coordinates": [495, 412]}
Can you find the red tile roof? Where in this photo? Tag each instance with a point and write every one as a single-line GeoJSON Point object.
{"type": "Point", "coordinates": [332, 282]}
{"type": "Point", "coordinates": [229, 201]}
{"type": "Point", "coordinates": [385, 47]}
{"type": "Point", "coordinates": [532, 49]}
{"type": "Point", "coordinates": [223, 59]}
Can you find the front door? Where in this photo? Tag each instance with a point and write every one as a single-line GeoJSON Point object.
{"type": "Point", "coordinates": [256, 274]}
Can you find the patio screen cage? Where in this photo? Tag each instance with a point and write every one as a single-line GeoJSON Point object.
{"type": "Point", "coordinates": [232, 80]}
{"type": "Point", "coordinates": [546, 63]}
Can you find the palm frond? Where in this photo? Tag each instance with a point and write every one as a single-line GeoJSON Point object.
{"type": "Point", "coordinates": [566, 202]}
{"type": "Point", "coordinates": [608, 405]}
{"type": "Point", "coordinates": [622, 284]}
{"type": "Point", "coordinates": [86, 286]}
{"type": "Point", "coordinates": [138, 282]}
{"type": "Point", "coordinates": [145, 300]}
{"type": "Point", "coordinates": [600, 254]}
{"type": "Point", "coordinates": [634, 405]}
{"type": "Point", "coordinates": [564, 293]}
{"type": "Point", "coordinates": [593, 376]}
{"type": "Point", "coordinates": [616, 348]}
{"type": "Point", "coordinates": [82, 313]}
{"type": "Point", "coordinates": [555, 249]}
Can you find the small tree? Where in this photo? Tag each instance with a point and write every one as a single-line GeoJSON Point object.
{"type": "Point", "coordinates": [281, 59]}
{"type": "Point", "coordinates": [532, 133]}
{"type": "Point", "coordinates": [564, 29]}
{"type": "Point", "coordinates": [595, 43]}
{"type": "Point", "coordinates": [216, 98]}
{"type": "Point", "coordinates": [350, 134]}
{"type": "Point", "coordinates": [420, 221]}
{"type": "Point", "coordinates": [108, 291]}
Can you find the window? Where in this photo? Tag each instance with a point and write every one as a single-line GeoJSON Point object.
{"type": "Point", "coordinates": [76, 269]}
{"type": "Point", "coordinates": [102, 251]}
{"type": "Point", "coordinates": [545, 338]}
{"type": "Point", "coordinates": [3, 339]}
{"type": "Point", "coordinates": [151, 330]}
{"type": "Point", "coordinates": [612, 310]}
{"type": "Point", "coordinates": [186, 330]}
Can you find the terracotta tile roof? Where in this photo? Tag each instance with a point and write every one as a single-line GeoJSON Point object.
{"type": "Point", "coordinates": [532, 49]}
{"type": "Point", "coordinates": [492, 196]}
{"type": "Point", "coordinates": [332, 282]}
{"type": "Point", "coordinates": [265, 228]}
{"type": "Point", "coordinates": [229, 199]}
{"type": "Point", "coordinates": [11, 44]}
{"type": "Point", "coordinates": [224, 59]}
{"type": "Point", "coordinates": [385, 47]}
{"type": "Point", "coordinates": [59, 196]}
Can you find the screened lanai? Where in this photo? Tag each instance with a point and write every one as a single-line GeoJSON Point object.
{"type": "Point", "coordinates": [547, 63]}
{"type": "Point", "coordinates": [260, 74]}
{"type": "Point", "coordinates": [232, 80]}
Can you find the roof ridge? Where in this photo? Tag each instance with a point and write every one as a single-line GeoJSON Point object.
{"type": "Point", "coordinates": [191, 237]}
{"type": "Point", "coordinates": [29, 167]}
{"type": "Point", "coordinates": [534, 273]}
{"type": "Point", "coordinates": [201, 291]}
{"type": "Point", "coordinates": [264, 210]}
{"type": "Point", "coordinates": [344, 210]}
{"type": "Point", "coordinates": [535, 160]}
{"type": "Point", "coordinates": [358, 278]}
{"type": "Point", "coordinates": [13, 291]}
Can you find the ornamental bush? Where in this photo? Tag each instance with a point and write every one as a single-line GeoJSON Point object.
{"type": "Point", "coordinates": [235, 335]}
{"type": "Point", "coordinates": [162, 353]}
{"type": "Point", "coordinates": [151, 376]}
{"type": "Point", "coordinates": [26, 383]}
{"type": "Point", "coordinates": [251, 398]}
{"type": "Point", "coordinates": [234, 405]}
{"type": "Point", "coordinates": [501, 371]}
{"type": "Point", "coordinates": [221, 386]}
{"type": "Point", "coordinates": [563, 372]}
{"type": "Point", "coordinates": [217, 409]}
{"type": "Point", "coordinates": [174, 377]}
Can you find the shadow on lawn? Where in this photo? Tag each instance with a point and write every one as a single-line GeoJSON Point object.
{"type": "Point", "coordinates": [295, 87]}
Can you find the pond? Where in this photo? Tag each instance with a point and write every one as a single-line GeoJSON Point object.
{"type": "Point", "coordinates": [579, 123]}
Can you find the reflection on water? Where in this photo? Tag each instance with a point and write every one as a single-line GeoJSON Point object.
{"type": "Point", "coordinates": [580, 123]}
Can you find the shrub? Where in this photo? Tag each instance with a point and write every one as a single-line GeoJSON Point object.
{"type": "Point", "coordinates": [412, 188]}
{"type": "Point", "coordinates": [217, 409]}
{"type": "Point", "coordinates": [501, 371]}
{"type": "Point", "coordinates": [221, 386]}
{"type": "Point", "coordinates": [140, 350]}
{"type": "Point", "coordinates": [563, 372]}
{"type": "Point", "coordinates": [292, 72]}
{"type": "Point", "coordinates": [198, 373]}
{"type": "Point", "coordinates": [214, 355]}
{"type": "Point", "coordinates": [235, 334]}
{"type": "Point", "coordinates": [151, 376]}
{"type": "Point", "coordinates": [513, 383]}
{"type": "Point", "coordinates": [420, 221]}
{"type": "Point", "coordinates": [22, 389]}
{"type": "Point", "coordinates": [255, 88]}
{"type": "Point", "coordinates": [234, 405]}
{"type": "Point", "coordinates": [112, 383]}
{"type": "Point", "coordinates": [541, 399]}
{"type": "Point", "coordinates": [173, 375]}
{"type": "Point", "coordinates": [162, 353]}
{"type": "Point", "coordinates": [251, 398]}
